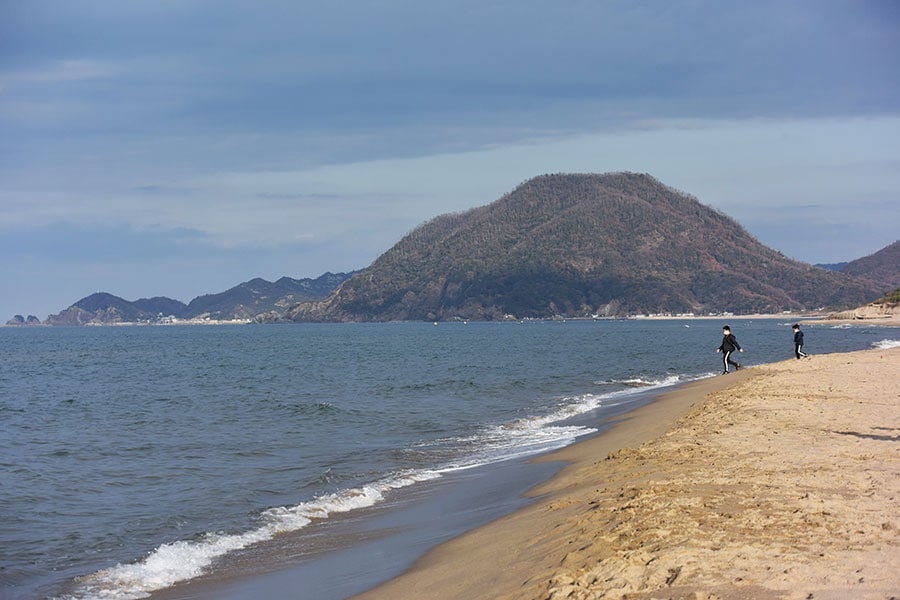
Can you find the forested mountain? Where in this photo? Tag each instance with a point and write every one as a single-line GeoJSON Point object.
{"type": "Point", "coordinates": [104, 308]}
{"type": "Point", "coordinates": [882, 267]}
{"type": "Point", "coordinates": [580, 245]}
{"type": "Point", "coordinates": [257, 296]}
{"type": "Point", "coordinates": [832, 266]}
{"type": "Point", "coordinates": [242, 302]}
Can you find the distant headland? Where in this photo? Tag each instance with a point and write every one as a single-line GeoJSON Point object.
{"type": "Point", "coordinates": [609, 245]}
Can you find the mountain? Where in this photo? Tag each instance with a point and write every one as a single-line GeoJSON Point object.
{"type": "Point", "coordinates": [108, 309]}
{"type": "Point", "coordinates": [258, 296]}
{"type": "Point", "coordinates": [883, 267]}
{"type": "Point", "coordinates": [19, 320]}
{"type": "Point", "coordinates": [579, 245]}
{"type": "Point", "coordinates": [831, 266]}
{"type": "Point", "coordinates": [242, 302]}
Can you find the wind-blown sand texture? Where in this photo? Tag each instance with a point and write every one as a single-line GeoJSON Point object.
{"type": "Point", "coordinates": [781, 481]}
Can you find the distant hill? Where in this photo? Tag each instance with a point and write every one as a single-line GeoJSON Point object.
{"type": "Point", "coordinates": [104, 308]}
{"type": "Point", "coordinates": [18, 320]}
{"type": "Point", "coordinates": [831, 266]}
{"type": "Point", "coordinates": [581, 245]}
{"type": "Point", "coordinates": [882, 267]}
{"type": "Point", "coordinates": [242, 302]}
{"type": "Point", "coordinates": [258, 296]}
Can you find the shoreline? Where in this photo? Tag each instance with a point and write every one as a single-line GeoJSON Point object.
{"type": "Point", "coordinates": [888, 319]}
{"type": "Point", "coordinates": [765, 338]}
{"type": "Point", "coordinates": [436, 574]}
{"type": "Point", "coordinates": [457, 505]}
{"type": "Point", "coordinates": [269, 569]}
{"type": "Point", "coordinates": [389, 537]}
{"type": "Point", "coordinates": [780, 481]}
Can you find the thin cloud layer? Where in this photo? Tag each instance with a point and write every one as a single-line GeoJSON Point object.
{"type": "Point", "coordinates": [293, 138]}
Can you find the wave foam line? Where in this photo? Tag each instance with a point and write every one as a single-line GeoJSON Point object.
{"type": "Point", "coordinates": [640, 382]}
{"type": "Point", "coordinates": [183, 560]}
{"type": "Point", "coordinates": [886, 344]}
{"type": "Point", "coordinates": [539, 434]}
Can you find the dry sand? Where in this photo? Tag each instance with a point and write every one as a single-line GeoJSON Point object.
{"type": "Point", "coordinates": [780, 481]}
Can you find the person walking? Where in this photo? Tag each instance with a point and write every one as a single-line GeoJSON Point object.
{"type": "Point", "coordinates": [729, 345]}
{"type": "Point", "coordinates": [798, 342]}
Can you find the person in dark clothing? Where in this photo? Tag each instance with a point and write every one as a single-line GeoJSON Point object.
{"type": "Point", "coordinates": [729, 345]}
{"type": "Point", "coordinates": [798, 343]}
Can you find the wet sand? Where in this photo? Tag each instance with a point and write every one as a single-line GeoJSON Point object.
{"type": "Point", "coordinates": [780, 481]}
{"type": "Point", "coordinates": [349, 553]}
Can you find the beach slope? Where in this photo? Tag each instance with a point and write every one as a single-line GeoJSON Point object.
{"type": "Point", "coordinates": [781, 481]}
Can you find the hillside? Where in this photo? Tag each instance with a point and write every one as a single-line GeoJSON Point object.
{"type": "Point", "coordinates": [882, 267]}
{"type": "Point", "coordinates": [579, 245]}
{"type": "Point", "coordinates": [885, 309]}
{"type": "Point", "coordinates": [109, 309]}
{"type": "Point", "coordinates": [258, 296]}
{"type": "Point", "coordinates": [242, 302]}
{"type": "Point", "coordinates": [832, 266]}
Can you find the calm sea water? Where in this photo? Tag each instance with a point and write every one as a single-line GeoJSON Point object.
{"type": "Point", "coordinates": [132, 458]}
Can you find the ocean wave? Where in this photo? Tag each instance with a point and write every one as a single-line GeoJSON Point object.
{"type": "Point", "coordinates": [183, 560]}
{"type": "Point", "coordinates": [537, 434]}
{"type": "Point", "coordinates": [885, 344]}
{"type": "Point", "coordinates": [640, 382]}
{"type": "Point", "coordinates": [164, 567]}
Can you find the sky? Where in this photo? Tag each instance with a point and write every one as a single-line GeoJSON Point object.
{"type": "Point", "coordinates": [180, 147]}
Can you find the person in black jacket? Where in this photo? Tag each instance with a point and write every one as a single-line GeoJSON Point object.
{"type": "Point", "coordinates": [798, 343]}
{"type": "Point", "coordinates": [729, 345]}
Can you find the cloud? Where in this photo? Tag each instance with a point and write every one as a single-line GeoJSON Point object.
{"type": "Point", "coordinates": [66, 242]}
{"type": "Point", "coordinates": [487, 69]}
{"type": "Point", "coordinates": [747, 168]}
{"type": "Point", "coordinates": [63, 71]}
{"type": "Point", "coordinates": [176, 86]}
{"type": "Point", "coordinates": [296, 196]}
{"type": "Point", "coordinates": [303, 136]}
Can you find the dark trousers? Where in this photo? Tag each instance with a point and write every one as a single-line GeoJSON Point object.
{"type": "Point", "coordinates": [726, 360]}
{"type": "Point", "coordinates": [798, 351]}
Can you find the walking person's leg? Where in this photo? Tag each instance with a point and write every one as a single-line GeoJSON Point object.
{"type": "Point", "coordinates": [726, 358]}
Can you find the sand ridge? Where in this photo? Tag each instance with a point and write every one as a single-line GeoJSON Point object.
{"type": "Point", "coordinates": [784, 484]}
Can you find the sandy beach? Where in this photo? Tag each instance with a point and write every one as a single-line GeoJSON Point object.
{"type": "Point", "coordinates": [779, 481]}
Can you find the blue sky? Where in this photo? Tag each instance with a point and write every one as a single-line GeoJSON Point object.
{"type": "Point", "coordinates": [180, 147]}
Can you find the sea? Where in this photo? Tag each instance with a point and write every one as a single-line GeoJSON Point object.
{"type": "Point", "coordinates": [212, 461]}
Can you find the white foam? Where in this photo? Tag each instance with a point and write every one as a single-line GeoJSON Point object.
{"type": "Point", "coordinates": [641, 382]}
{"type": "Point", "coordinates": [533, 435]}
{"type": "Point", "coordinates": [183, 560]}
{"type": "Point", "coordinates": [165, 566]}
{"type": "Point", "coordinates": [885, 344]}
{"type": "Point", "coordinates": [292, 518]}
